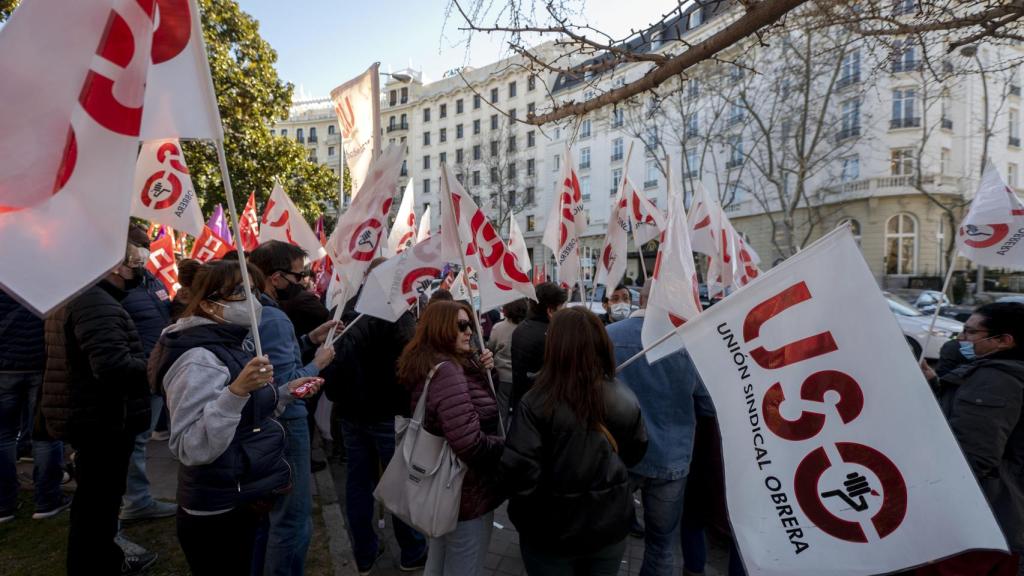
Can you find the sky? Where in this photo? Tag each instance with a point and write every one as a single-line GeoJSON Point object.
{"type": "Point", "coordinates": [322, 43]}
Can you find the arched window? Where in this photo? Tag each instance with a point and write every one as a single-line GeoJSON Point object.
{"type": "Point", "coordinates": [901, 245]}
{"type": "Point", "coordinates": [854, 228]}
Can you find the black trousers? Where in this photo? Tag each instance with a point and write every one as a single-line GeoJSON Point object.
{"type": "Point", "coordinates": [101, 466]}
{"type": "Point", "coordinates": [220, 544]}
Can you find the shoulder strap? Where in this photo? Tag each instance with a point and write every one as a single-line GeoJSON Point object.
{"type": "Point", "coordinates": [421, 405]}
{"type": "Point", "coordinates": [608, 436]}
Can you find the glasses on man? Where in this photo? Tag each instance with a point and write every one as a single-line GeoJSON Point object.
{"type": "Point", "coordinates": [465, 325]}
{"type": "Point", "coordinates": [301, 275]}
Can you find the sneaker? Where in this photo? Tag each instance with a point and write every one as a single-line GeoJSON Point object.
{"type": "Point", "coordinates": [64, 504]}
{"type": "Point", "coordinates": [415, 565]}
{"type": "Point", "coordinates": [155, 510]}
{"type": "Point", "coordinates": [137, 563]}
{"type": "Point", "coordinates": [368, 569]}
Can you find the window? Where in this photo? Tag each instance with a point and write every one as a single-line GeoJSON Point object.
{"type": "Point", "coordinates": [585, 129]}
{"type": "Point", "coordinates": [617, 149]}
{"type": "Point", "coordinates": [404, 124]}
{"type": "Point", "coordinates": [476, 101]}
{"type": "Point", "coordinates": [618, 117]}
{"type": "Point", "coordinates": [442, 135]}
{"type": "Point", "coordinates": [850, 69]}
{"type": "Point", "coordinates": [1014, 127]}
{"type": "Point", "coordinates": [426, 138]}
{"type": "Point", "coordinates": [458, 131]}
{"type": "Point", "coordinates": [511, 89]}
{"type": "Point", "coordinates": [393, 97]}
{"type": "Point", "coordinates": [693, 124]}
{"type": "Point", "coordinates": [902, 160]}
{"type": "Point", "coordinates": [735, 151]}
{"type": "Point", "coordinates": [442, 111]}
{"type": "Point", "coordinates": [556, 162]}
{"type": "Point", "coordinates": [901, 7]}
{"type": "Point", "coordinates": [330, 151]}
{"type": "Point", "coordinates": [426, 114]}
{"type": "Point", "coordinates": [531, 139]}
{"type": "Point", "coordinates": [905, 57]}
{"type": "Point", "coordinates": [476, 177]}
{"type": "Point", "coordinates": [903, 109]}
{"type": "Point", "coordinates": [460, 177]}
{"type": "Point", "coordinates": [494, 148]}
{"type": "Point", "coordinates": [851, 168]}
{"type": "Point", "coordinates": [849, 119]}
{"type": "Point", "coordinates": [585, 187]}
{"type": "Point", "coordinates": [531, 83]}
{"type": "Point", "coordinates": [405, 95]}
{"type": "Point", "coordinates": [692, 88]}
{"type": "Point", "coordinates": [589, 94]}
{"type": "Point", "coordinates": [426, 162]}
{"type": "Point", "coordinates": [695, 18]}
{"type": "Point", "coordinates": [512, 114]}
{"type": "Point", "coordinates": [426, 185]}
{"type": "Point", "coordinates": [945, 161]}
{"type": "Point", "coordinates": [651, 139]}
{"type": "Point", "coordinates": [459, 106]}
{"type": "Point", "coordinates": [531, 108]}
{"type": "Point", "coordinates": [312, 133]}
{"type": "Point", "coordinates": [442, 158]}
{"type": "Point", "coordinates": [511, 143]}
{"type": "Point", "coordinates": [531, 223]}
{"type": "Point", "coordinates": [616, 180]}
{"type": "Point", "coordinates": [511, 170]}
{"type": "Point", "coordinates": [494, 121]}
{"type": "Point", "coordinates": [476, 126]}
{"type": "Point", "coordinates": [391, 123]}
{"type": "Point", "coordinates": [947, 121]}
{"type": "Point", "coordinates": [284, 131]}
{"type": "Point", "coordinates": [476, 152]}
{"type": "Point", "coordinates": [1011, 174]}
{"type": "Point", "coordinates": [651, 179]}
{"type": "Point", "coordinates": [458, 156]}
{"type": "Point", "coordinates": [735, 114]}
{"type": "Point", "coordinates": [901, 245]}
{"type": "Point", "coordinates": [692, 163]}
{"type": "Point", "coordinates": [331, 130]}
{"type": "Point", "coordinates": [299, 135]}
{"type": "Point", "coordinates": [494, 95]}
{"type": "Point", "coordinates": [585, 157]}
{"type": "Point", "coordinates": [494, 174]}
{"type": "Point", "coordinates": [530, 167]}
{"type": "Point", "coordinates": [529, 198]}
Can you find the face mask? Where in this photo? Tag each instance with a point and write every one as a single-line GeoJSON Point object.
{"type": "Point", "coordinates": [136, 280]}
{"type": "Point", "coordinates": [967, 350]}
{"type": "Point", "coordinates": [619, 311]}
{"type": "Point", "coordinates": [237, 313]}
{"type": "Point", "coordinates": [290, 291]}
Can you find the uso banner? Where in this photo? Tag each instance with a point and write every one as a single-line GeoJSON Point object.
{"type": "Point", "coordinates": [837, 458]}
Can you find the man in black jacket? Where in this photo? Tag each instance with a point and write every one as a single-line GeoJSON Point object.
{"type": "Point", "coordinates": [529, 338]}
{"type": "Point", "coordinates": [97, 398]}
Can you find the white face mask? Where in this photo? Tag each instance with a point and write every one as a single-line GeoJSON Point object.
{"type": "Point", "coordinates": [237, 312]}
{"type": "Point", "coordinates": [618, 311]}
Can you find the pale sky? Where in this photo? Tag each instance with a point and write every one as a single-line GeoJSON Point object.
{"type": "Point", "coordinates": [322, 43]}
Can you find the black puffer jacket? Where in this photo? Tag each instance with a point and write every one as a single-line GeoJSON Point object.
{"type": "Point", "coordinates": [362, 381]}
{"type": "Point", "coordinates": [21, 338]}
{"type": "Point", "coordinates": [569, 489]}
{"type": "Point", "coordinates": [95, 381]}
{"type": "Point", "coordinates": [528, 342]}
{"type": "Point", "coordinates": [150, 309]}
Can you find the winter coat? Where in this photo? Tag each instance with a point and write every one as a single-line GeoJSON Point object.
{"type": "Point", "coordinates": [22, 348]}
{"type": "Point", "coordinates": [305, 311]}
{"type": "Point", "coordinates": [982, 401]}
{"type": "Point", "coordinates": [150, 309]}
{"type": "Point", "coordinates": [528, 342]}
{"type": "Point", "coordinates": [95, 380]}
{"type": "Point", "coordinates": [569, 489]}
{"type": "Point", "coordinates": [500, 343]}
{"type": "Point", "coordinates": [462, 408]}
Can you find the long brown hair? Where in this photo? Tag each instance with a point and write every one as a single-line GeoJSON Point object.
{"type": "Point", "coordinates": [578, 358]}
{"type": "Point", "coordinates": [219, 277]}
{"type": "Point", "coordinates": [435, 340]}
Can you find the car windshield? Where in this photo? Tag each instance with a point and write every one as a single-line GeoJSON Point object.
{"type": "Point", "coordinates": [901, 306]}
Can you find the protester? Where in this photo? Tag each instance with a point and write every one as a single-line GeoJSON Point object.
{"type": "Point", "coordinates": [500, 343]}
{"type": "Point", "coordinates": [22, 360]}
{"type": "Point", "coordinates": [149, 306]}
{"type": "Point", "coordinates": [96, 397]}
{"type": "Point", "coordinates": [223, 431]}
{"type": "Point", "coordinates": [950, 358]}
{"type": "Point", "coordinates": [982, 400]}
{"type": "Point", "coordinates": [186, 272]}
{"type": "Point", "coordinates": [567, 455]}
{"type": "Point", "coordinates": [670, 394]}
{"type": "Point", "coordinates": [462, 409]}
{"type": "Point", "coordinates": [291, 526]}
{"type": "Point", "coordinates": [529, 337]}
{"type": "Point", "coordinates": [620, 304]}
{"type": "Point", "coordinates": [440, 295]}
{"type": "Point", "coordinates": [363, 385]}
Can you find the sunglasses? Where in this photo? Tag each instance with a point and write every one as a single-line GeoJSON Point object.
{"type": "Point", "coordinates": [301, 275]}
{"type": "Point", "coordinates": [465, 325]}
{"type": "Point", "coordinates": [236, 295]}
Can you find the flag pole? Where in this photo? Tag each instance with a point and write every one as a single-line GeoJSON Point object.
{"type": "Point", "coordinates": [938, 307]}
{"type": "Point", "coordinates": [349, 325]}
{"type": "Point", "coordinates": [247, 285]}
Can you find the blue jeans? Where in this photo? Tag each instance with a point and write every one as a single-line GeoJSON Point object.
{"type": "Point", "coordinates": [369, 448]}
{"type": "Point", "coordinates": [663, 509]}
{"type": "Point", "coordinates": [461, 552]}
{"type": "Point", "coordinates": [291, 522]}
{"type": "Point", "coordinates": [18, 391]}
{"type": "Point", "coordinates": [605, 562]}
{"type": "Point", "coordinates": [136, 491]}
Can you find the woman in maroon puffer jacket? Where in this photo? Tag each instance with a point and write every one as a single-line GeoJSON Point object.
{"type": "Point", "coordinates": [461, 407]}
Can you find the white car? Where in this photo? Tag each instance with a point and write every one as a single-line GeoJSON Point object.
{"type": "Point", "coordinates": [915, 327]}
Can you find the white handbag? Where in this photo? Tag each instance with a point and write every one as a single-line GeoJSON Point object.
{"type": "Point", "coordinates": [422, 484]}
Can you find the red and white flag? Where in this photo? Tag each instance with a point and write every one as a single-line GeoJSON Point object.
{"type": "Point", "coordinates": [180, 101]}
{"type": "Point", "coordinates": [992, 233]}
{"type": "Point", "coordinates": [466, 275]}
{"type": "Point", "coordinates": [466, 231]}
{"type": "Point", "coordinates": [731, 262]}
{"type": "Point", "coordinates": [163, 191]}
{"type": "Point", "coordinates": [674, 297]}
{"type": "Point", "coordinates": [283, 221]}
{"type": "Point", "coordinates": [403, 232]}
{"type": "Point", "coordinates": [73, 91]}
{"type": "Point", "coordinates": [162, 263]}
{"type": "Point", "coordinates": [360, 230]}
{"type": "Point", "coordinates": [357, 104]}
{"type": "Point", "coordinates": [611, 266]}
{"type": "Point", "coordinates": [394, 286]}
{"type": "Point", "coordinates": [647, 221]}
{"type": "Point", "coordinates": [208, 246]}
{"type": "Point", "coordinates": [424, 231]}
{"type": "Point", "coordinates": [517, 245]}
{"type": "Point", "coordinates": [249, 224]}
{"type": "Point", "coordinates": [565, 223]}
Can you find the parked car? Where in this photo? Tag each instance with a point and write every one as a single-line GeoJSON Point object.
{"type": "Point", "coordinates": [915, 327]}
{"type": "Point", "coordinates": [1017, 299]}
{"type": "Point", "coordinates": [926, 300]}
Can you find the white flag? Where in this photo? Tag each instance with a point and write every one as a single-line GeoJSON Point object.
{"type": "Point", "coordinates": [180, 102]}
{"type": "Point", "coordinates": [73, 92]}
{"type": "Point", "coordinates": [648, 222]}
{"type": "Point", "coordinates": [283, 221]}
{"type": "Point", "coordinates": [393, 287]}
{"type": "Point", "coordinates": [403, 232]}
{"type": "Point", "coordinates": [163, 191]}
{"type": "Point", "coordinates": [837, 458]}
{"type": "Point", "coordinates": [357, 104]}
{"type": "Point", "coordinates": [459, 291]}
{"type": "Point", "coordinates": [565, 223]}
{"type": "Point", "coordinates": [424, 231]}
{"type": "Point", "coordinates": [992, 233]}
{"type": "Point", "coordinates": [731, 262]}
{"type": "Point", "coordinates": [612, 265]}
{"type": "Point", "coordinates": [354, 242]}
{"type": "Point", "coordinates": [467, 229]}
{"type": "Point", "coordinates": [517, 246]}
{"type": "Point", "coordinates": [674, 297]}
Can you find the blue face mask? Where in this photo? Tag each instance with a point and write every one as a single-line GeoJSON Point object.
{"type": "Point", "coordinates": [967, 349]}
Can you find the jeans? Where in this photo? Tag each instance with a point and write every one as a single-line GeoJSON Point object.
{"type": "Point", "coordinates": [462, 551]}
{"type": "Point", "coordinates": [136, 492]}
{"type": "Point", "coordinates": [604, 562]}
{"type": "Point", "coordinates": [18, 391]}
{"type": "Point", "coordinates": [663, 509]}
{"type": "Point", "coordinates": [369, 448]}
{"type": "Point", "coordinates": [291, 522]}
{"type": "Point", "coordinates": [219, 544]}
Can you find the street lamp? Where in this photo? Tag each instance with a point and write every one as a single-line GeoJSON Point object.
{"type": "Point", "coordinates": [971, 51]}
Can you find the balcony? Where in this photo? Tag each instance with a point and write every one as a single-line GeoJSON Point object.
{"type": "Point", "coordinates": [734, 163]}
{"type": "Point", "coordinates": [848, 132]}
{"type": "Point", "coordinates": [898, 123]}
{"type": "Point", "coordinates": [906, 66]}
{"type": "Point", "coordinates": [396, 127]}
{"type": "Point", "coordinates": [848, 80]}
{"type": "Point", "coordinates": [947, 124]}
{"type": "Point", "coordinates": [616, 156]}
{"type": "Point", "coordinates": [1013, 141]}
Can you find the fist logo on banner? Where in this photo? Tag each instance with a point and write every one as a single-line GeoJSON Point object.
{"type": "Point", "coordinates": [163, 187]}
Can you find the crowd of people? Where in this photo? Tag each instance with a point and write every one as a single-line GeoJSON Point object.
{"type": "Point", "coordinates": [530, 401]}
